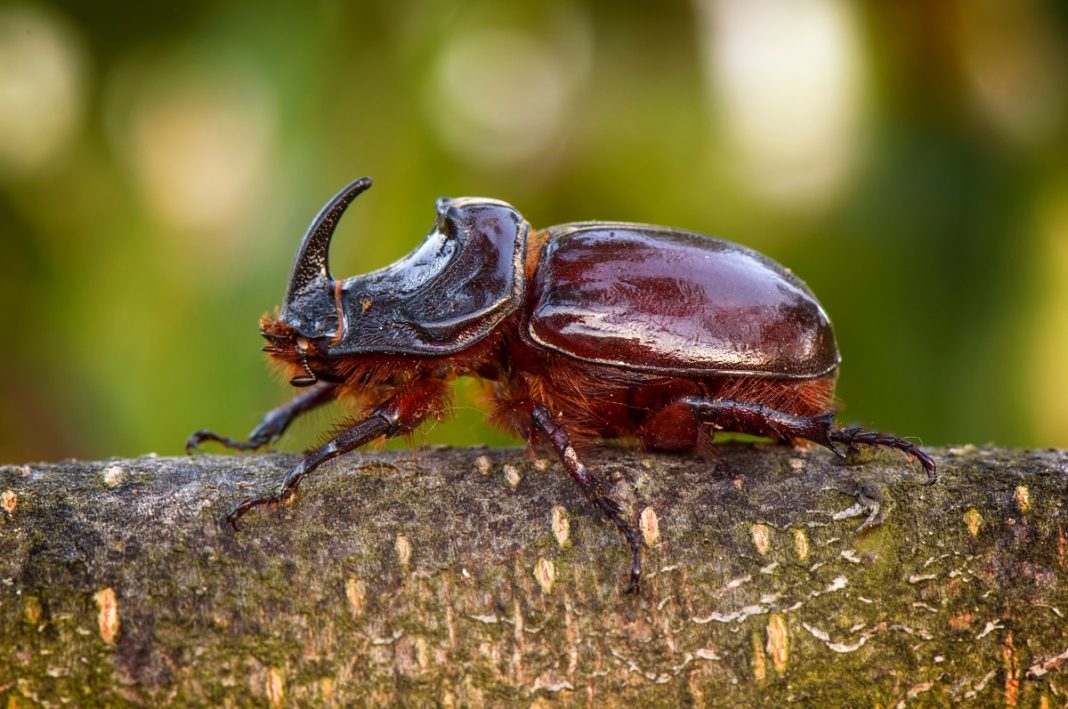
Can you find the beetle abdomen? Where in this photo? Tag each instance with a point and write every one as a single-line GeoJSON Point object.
{"type": "Point", "coordinates": [674, 301]}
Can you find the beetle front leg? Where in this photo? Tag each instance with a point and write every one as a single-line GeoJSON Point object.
{"type": "Point", "coordinates": [274, 422]}
{"type": "Point", "coordinates": [591, 486]}
{"type": "Point", "coordinates": [400, 414]}
{"type": "Point", "coordinates": [747, 417]}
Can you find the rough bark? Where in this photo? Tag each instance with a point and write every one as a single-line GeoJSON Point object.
{"type": "Point", "coordinates": [449, 576]}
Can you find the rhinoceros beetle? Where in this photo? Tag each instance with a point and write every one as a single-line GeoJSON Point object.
{"type": "Point", "coordinates": [584, 331]}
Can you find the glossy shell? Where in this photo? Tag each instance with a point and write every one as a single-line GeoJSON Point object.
{"type": "Point", "coordinates": [460, 283]}
{"type": "Point", "coordinates": [663, 300]}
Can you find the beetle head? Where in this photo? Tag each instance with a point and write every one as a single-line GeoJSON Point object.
{"type": "Point", "coordinates": [304, 359]}
{"type": "Point", "coordinates": [452, 290]}
{"type": "Point", "coordinates": [310, 307]}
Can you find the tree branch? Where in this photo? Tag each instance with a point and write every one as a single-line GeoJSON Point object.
{"type": "Point", "coordinates": [478, 577]}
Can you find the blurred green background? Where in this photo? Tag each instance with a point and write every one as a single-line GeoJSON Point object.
{"type": "Point", "coordinates": [159, 162]}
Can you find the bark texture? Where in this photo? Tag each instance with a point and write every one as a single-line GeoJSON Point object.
{"type": "Point", "coordinates": [478, 577]}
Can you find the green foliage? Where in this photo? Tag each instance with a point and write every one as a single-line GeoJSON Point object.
{"type": "Point", "coordinates": [158, 165]}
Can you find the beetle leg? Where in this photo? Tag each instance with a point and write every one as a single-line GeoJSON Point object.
{"type": "Point", "coordinates": [592, 487]}
{"type": "Point", "coordinates": [401, 413]}
{"type": "Point", "coordinates": [274, 422]}
{"type": "Point", "coordinates": [366, 430]}
{"type": "Point", "coordinates": [747, 417]}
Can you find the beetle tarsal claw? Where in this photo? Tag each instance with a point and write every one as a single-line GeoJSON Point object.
{"type": "Point", "coordinates": [838, 453]}
{"type": "Point", "coordinates": [192, 444]}
{"type": "Point", "coordinates": [273, 501]}
{"type": "Point", "coordinates": [855, 434]}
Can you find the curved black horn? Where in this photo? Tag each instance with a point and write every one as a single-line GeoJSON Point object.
{"type": "Point", "coordinates": [311, 264]}
{"type": "Point", "coordinates": [309, 306]}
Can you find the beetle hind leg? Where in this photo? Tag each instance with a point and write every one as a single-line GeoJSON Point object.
{"type": "Point", "coordinates": [592, 487]}
{"type": "Point", "coordinates": [747, 417]}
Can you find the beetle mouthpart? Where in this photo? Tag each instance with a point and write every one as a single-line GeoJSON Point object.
{"type": "Point", "coordinates": [308, 379]}
{"type": "Point", "coordinates": [309, 305]}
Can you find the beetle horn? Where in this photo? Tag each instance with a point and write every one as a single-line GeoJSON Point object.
{"type": "Point", "coordinates": [311, 264]}
{"type": "Point", "coordinates": [310, 293]}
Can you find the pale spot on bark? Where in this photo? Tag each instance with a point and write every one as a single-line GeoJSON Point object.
{"type": "Point", "coordinates": [545, 574]}
{"type": "Point", "coordinates": [561, 526]}
{"type": "Point", "coordinates": [650, 526]}
{"type": "Point", "coordinates": [801, 544]}
{"type": "Point", "coordinates": [108, 617]}
{"type": "Point", "coordinates": [327, 689]}
{"type": "Point", "coordinates": [33, 610]}
{"type": "Point", "coordinates": [276, 687]}
{"type": "Point", "coordinates": [356, 594]}
{"type": "Point", "coordinates": [403, 547]}
{"type": "Point", "coordinates": [778, 642]}
{"type": "Point", "coordinates": [1023, 499]}
{"type": "Point", "coordinates": [511, 473]}
{"type": "Point", "coordinates": [762, 538]}
{"type": "Point", "coordinates": [760, 663]}
{"type": "Point", "coordinates": [113, 475]}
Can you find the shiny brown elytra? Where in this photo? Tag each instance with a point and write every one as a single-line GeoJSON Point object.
{"type": "Point", "coordinates": [591, 330]}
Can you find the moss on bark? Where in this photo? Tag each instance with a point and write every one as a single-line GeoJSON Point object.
{"type": "Point", "coordinates": [441, 577]}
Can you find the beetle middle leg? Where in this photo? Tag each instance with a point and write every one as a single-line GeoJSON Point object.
{"type": "Point", "coordinates": [748, 417]}
{"type": "Point", "coordinates": [274, 422]}
{"type": "Point", "coordinates": [592, 487]}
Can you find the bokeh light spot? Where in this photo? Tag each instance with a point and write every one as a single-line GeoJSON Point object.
{"type": "Point", "coordinates": [1015, 69]}
{"type": "Point", "coordinates": [196, 133]}
{"type": "Point", "coordinates": [42, 91]}
{"type": "Point", "coordinates": [1045, 374]}
{"type": "Point", "coordinates": [500, 96]}
{"type": "Point", "coordinates": [785, 77]}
